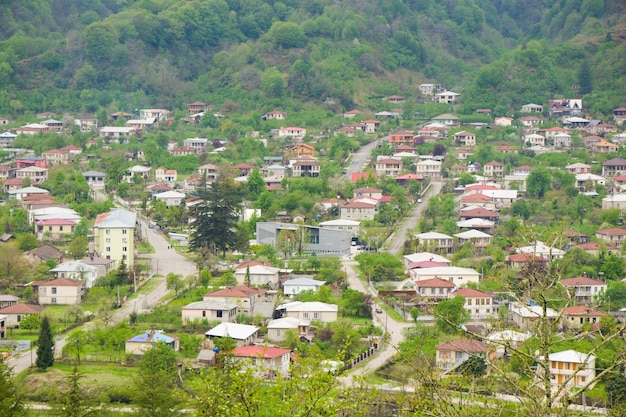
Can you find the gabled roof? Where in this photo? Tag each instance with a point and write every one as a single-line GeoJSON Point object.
{"type": "Point", "coordinates": [464, 345]}
{"type": "Point", "coordinates": [151, 337]}
{"type": "Point", "coordinates": [304, 282]}
{"type": "Point", "coordinates": [234, 330]}
{"type": "Point", "coordinates": [209, 305]}
{"type": "Point", "coordinates": [116, 218]}
{"type": "Point", "coordinates": [47, 252]}
{"type": "Point", "coordinates": [309, 306]}
{"type": "Point", "coordinates": [22, 309]}
{"type": "Point", "coordinates": [580, 281]}
{"type": "Point", "coordinates": [237, 291]}
{"type": "Point", "coordinates": [613, 231]}
{"type": "Point", "coordinates": [584, 311]}
{"type": "Point", "coordinates": [479, 212]}
{"type": "Point", "coordinates": [288, 323]}
{"type": "Point", "coordinates": [470, 292]}
{"type": "Point", "coordinates": [570, 356]}
{"type": "Point", "coordinates": [434, 283]}
{"type": "Point", "coordinates": [59, 282]}
{"type": "Point", "coordinates": [259, 352]}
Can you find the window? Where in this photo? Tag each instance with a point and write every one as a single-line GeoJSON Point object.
{"type": "Point", "coordinates": [316, 316]}
{"type": "Point", "coordinates": [124, 249]}
{"type": "Point", "coordinates": [220, 313]}
{"type": "Point", "coordinates": [49, 228]}
{"type": "Point", "coordinates": [305, 315]}
{"type": "Point", "coordinates": [107, 232]}
{"type": "Point", "coordinates": [469, 301]}
{"type": "Point", "coordinates": [60, 228]}
{"type": "Point", "coordinates": [107, 249]}
{"type": "Point", "coordinates": [107, 240]}
{"type": "Point", "coordinates": [19, 318]}
{"type": "Point", "coordinates": [203, 313]}
{"type": "Point", "coordinates": [54, 301]}
{"type": "Point", "coordinates": [124, 231]}
{"type": "Point", "coordinates": [54, 290]}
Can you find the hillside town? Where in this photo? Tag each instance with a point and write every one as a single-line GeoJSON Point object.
{"type": "Point", "coordinates": [526, 235]}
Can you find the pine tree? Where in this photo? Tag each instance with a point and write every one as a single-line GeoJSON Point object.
{"type": "Point", "coordinates": [585, 78]}
{"type": "Point", "coordinates": [72, 402]}
{"type": "Point", "coordinates": [45, 346]}
{"type": "Point", "coordinates": [10, 400]}
{"type": "Point", "coordinates": [155, 385]}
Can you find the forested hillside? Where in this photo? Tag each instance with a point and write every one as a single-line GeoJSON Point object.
{"type": "Point", "coordinates": [125, 54]}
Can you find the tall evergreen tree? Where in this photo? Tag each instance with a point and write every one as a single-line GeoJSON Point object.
{"type": "Point", "coordinates": [10, 400]}
{"type": "Point", "coordinates": [585, 78]}
{"type": "Point", "coordinates": [45, 346]}
{"type": "Point", "coordinates": [72, 402]}
{"type": "Point", "coordinates": [155, 384]}
{"type": "Point", "coordinates": [217, 216]}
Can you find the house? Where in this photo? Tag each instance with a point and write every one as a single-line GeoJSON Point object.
{"type": "Point", "coordinates": [114, 236]}
{"type": "Point", "coordinates": [198, 107]}
{"type": "Point", "coordinates": [575, 238]}
{"type": "Point", "coordinates": [305, 168]}
{"type": "Point", "coordinates": [54, 229]}
{"type": "Point", "coordinates": [619, 115]}
{"type": "Point", "coordinates": [578, 168]}
{"type": "Point", "coordinates": [452, 354]}
{"type": "Point", "coordinates": [303, 149]}
{"type": "Point", "coordinates": [477, 238]}
{"type": "Point", "coordinates": [137, 345]}
{"type": "Point", "coordinates": [447, 120]}
{"type": "Point", "coordinates": [182, 151]}
{"type": "Point", "coordinates": [267, 362]}
{"type": "Point", "coordinates": [198, 145]}
{"type": "Point", "coordinates": [7, 138]}
{"type": "Point", "coordinates": [57, 157]}
{"type": "Point", "coordinates": [36, 175]}
{"type": "Point", "coordinates": [291, 132]}
{"type": "Point", "coordinates": [448, 97]}
{"type": "Point", "coordinates": [603, 146]}
{"type": "Point", "coordinates": [479, 303]}
{"type": "Point", "coordinates": [614, 167]}
{"type": "Point", "coordinates": [520, 260]}
{"type": "Point", "coordinates": [8, 300]}
{"type": "Point", "coordinates": [158, 114]}
{"type": "Point", "coordinates": [165, 175]}
{"type": "Point", "coordinates": [297, 285]}
{"type": "Point", "coordinates": [562, 140]}
{"type": "Point", "coordinates": [478, 200]}
{"type": "Point", "coordinates": [209, 171]}
{"type": "Point", "coordinates": [525, 316]}
{"type": "Point", "coordinates": [171, 198]}
{"type": "Point", "coordinates": [115, 133]}
{"type": "Point", "coordinates": [588, 182]}
{"type": "Point", "coordinates": [501, 198]}
{"type": "Point", "coordinates": [43, 253]}
{"type": "Point", "coordinates": [478, 213]}
{"type": "Point", "coordinates": [413, 258]}
{"type": "Point", "coordinates": [76, 270]}
{"type": "Point", "coordinates": [436, 241]}
{"type": "Point", "coordinates": [533, 139]}
{"type": "Point", "coordinates": [505, 341]}
{"type": "Point", "coordinates": [104, 266]}
{"type": "Point", "coordinates": [389, 167]}
{"type": "Point", "coordinates": [32, 129]}
{"type": "Point", "coordinates": [530, 121]}
{"type": "Point", "coordinates": [141, 171]}
{"type": "Point", "coordinates": [434, 289]}
{"type": "Point", "coordinates": [577, 317]}
{"type": "Point", "coordinates": [277, 329]}
{"type": "Point", "coordinates": [429, 168]}
{"type": "Point", "coordinates": [371, 125]}
{"type": "Point", "coordinates": [614, 236]}
{"type": "Point", "coordinates": [313, 310]}
{"type": "Point", "coordinates": [395, 99]}
{"type": "Point", "coordinates": [575, 122]}
{"type": "Point", "coordinates": [493, 169]}
{"type": "Point", "coordinates": [121, 114]}
{"type": "Point", "coordinates": [15, 313]}
{"type": "Point", "coordinates": [95, 178]}
{"type": "Point", "coordinates": [429, 89]}
{"type": "Point", "coordinates": [358, 211]}
{"type": "Point", "coordinates": [457, 275]}
{"type": "Point", "coordinates": [249, 301]}
{"type": "Point", "coordinates": [465, 138]}
{"type": "Point", "coordinates": [565, 107]}
{"type": "Point", "coordinates": [242, 334]}
{"type": "Point", "coordinates": [532, 108]}
{"type": "Point", "coordinates": [614, 201]}
{"type": "Point", "coordinates": [503, 121]}
{"type": "Point", "coordinates": [60, 291]}
{"type": "Point", "coordinates": [258, 275]}
{"type": "Point", "coordinates": [209, 311]}
{"type": "Point", "coordinates": [351, 226]}
{"type": "Point", "coordinates": [542, 250]}
{"type": "Point", "coordinates": [570, 368]}
{"type": "Point", "coordinates": [400, 137]}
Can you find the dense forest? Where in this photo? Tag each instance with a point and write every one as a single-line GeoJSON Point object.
{"type": "Point", "coordinates": [110, 55]}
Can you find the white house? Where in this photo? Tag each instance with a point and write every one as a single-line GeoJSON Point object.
{"type": "Point", "coordinates": [242, 334]}
{"type": "Point", "coordinates": [297, 285]}
{"type": "Point", "coordinates": [457, 275]}
{"type": "Point", "coordinates": [524, 316]}
{"type": "Point", "coordinates": [478, 303]}
{"type": "Point", "coordinates": [542, 250]}
{"type": "Point", "coordinates": [314, 310]}
{"type": "Point", "coordinates": [209, 310]}
{"type": "Point", "coordinates": [60, 291]}
{"type": "Point", "coordinates": [571, 369]}
{"type": "Point", "coordinates": [277, 328]}
{"type": "Point", "coordinates": [435, 240]}
{"type": "Point", "coordinates": [140, 170]}
{"type": "Point", "coordinates": [259, 275]}
{"type": "Point", "coordinates": [78, 271]}
{"type": "Point", "coordinates": [266, 361]}
{"type": "Point", "coordinates": [171, 198]}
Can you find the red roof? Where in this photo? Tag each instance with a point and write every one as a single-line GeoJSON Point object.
{"type": "Point", "coordinates": [384, 199]}
{"type": "Point", "coordinates": [388, 161]}
{"type": "Point", "coordinates": [358, 204]}
{"type": "Point", "coordinates": [578, 281]}
{"type": "Point", "coordinates": [578, 311]}
{"type": "Point", "coordinates": [524, 257]}
{"type": "Point", "coordinates": [259, 352]}
{"type": "Point", "coordinates": [434, 283]}
{"type": "Point", "coordinates": [464, 345]}
{"type": "Point", "coordinates": [480, 187]}
{"type": "Point", "coordinates": [477, 198]}
{"type": "Point", "coordinates": [613, 231]}
{"type": "Point", "coordinates": [409, 177]}
{"type": "Point", "coordinates": [59, 282]}
{"type": "Point", "coordinates": [589, 246]}
{"type": "Point", "coordinates": [56, 222]}
{"type": "Point", "coordinates": [479, 213]}
{"type": "Point", "coordinates": [22, 309]}
{"type": "Point", "coordinates": [358, 175]}
{"type": "Point", "coordinates": [252, 263]}
{"type": "Point", "coordinates": [494, 163]}
{"type": "Point", "coordinates": [470, 292]}
{"type": "Point", "coordinates": [240, 291]}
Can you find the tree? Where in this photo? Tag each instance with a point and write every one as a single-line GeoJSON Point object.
{"type": "Point", "coordinates": [256, 184]}
{"type": "Point", "coordinates": [217, 216]}
{"type": "Point", "coordinates": [174, 282]}
{"type": "Point", "coordinates": [205, 277]}
{"type": "Point", "coordinates": [538, 182]}
{"type": "Point", "coordinates": [585, 78]}
{"type": "Point", "coordinates": [450, 314]}
{"type": "Point", "coordinates": [72, 402]}
{"type": "Point", "coordinates": [30, 322]}
{"type": "Point", "coordinates": [45, 346]}
{"type": "Point", "coordinates": [77, 248]}
{"type": "Point", "coordinates": [11, 404]}
{"type": "Point", "coordinates": [156, 394]}
{"type": "Point", "coordinates": [474, 366]}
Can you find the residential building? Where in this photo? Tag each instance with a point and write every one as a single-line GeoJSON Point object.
{"type": "Point", "coordinates": [358, 211]}
{"type": "Point", "coordinates": [242, 334]}
{"type": "Point", "coordinates": [533, 139]}
{"type": "Point", "coordinates": [526, 316]}
{"type": "Point", "coordinates": [314, 310]}
{"type": "Point", "coordinates": [389, 167]}
{"type": "Point", "coordinates": [277, 329]}
{"type": "Point", "coordinates": [297, 285]}
{"type": "Point", "coordinates": [76, 270]}
{"type": "Point", "coordinates": [36, 175]}
{"type": "Point", "coordinates": [619, 115]}
{"type": "Point", "coordinates": [321, 241]}
{"type": "Point", "coordinates": [577, 317]}
{"type": "Point", "coordinates": [541, 250]}
{"type": "Point", "coordinates": [115, 133]}
{"type": "Point", "coordinates": [61, 291]}
{"type": "Point", "coordinates": [198, 107]}
{"type": "Point", "coordinates": [162, 174]}
{"type": "Point", "coordinates": [477, 238]}
{"type": "Point", "coordinates": [8, 300]}
{"type": "Point", "coordinates": [429, 168]}
{"type": "Point", "coordinates": [138, 345]}
{"type": "Point", "coordinates": [532, 108]}
{"type": "Point", "coordinates": [15, 313]}
{"type": "Point", "coordinates": [95, 178]}
{"type": "Point", "coordinates": [6, 139]}
{"type": "Point", "coordinates": [54, 229]}
{"type": "Point", "coordinates": [578, 168]}
{"type": "Point", "coordinates": [457, 275]}
{"type": "Point", "coordinates": [570, 368]}
{"type": "Point", "coordinates": [565, 107]}
{"type": "Point", "coordinates": [209, 171]}
{"type": "Point", "coordinates": [114, 236]}
{"type": "Point", "coordinates": [434, 241]}
{"type": "Point", "coordinates": [158, 114]}
{"type": "Point", "coordinates": [141, 171]}
{"type": "Point", "coordinates": [503, 121]}
{"type": "Point", "coordinates": [614, 167]}
{"type": "Point", "coordinates": [305, 168]}
{"type": "Point", "coordinates": [401, 137]}
{"type": "Point", "coordinates": [614, 201]}
{"type": "Point", "coordinates": [493, 169]}
{"type": "Point", "coordinates": [413, 258]}
{"type": "Point", "coordinates": [603, 146]}
{"type": "Point", "coordinates": [171, 198]}
{"type": "Point", "coordinates": [614, 236]}
{"type": "Point", "coordinates": [479, 303]}
{"type": "Point", "coordinates": [258, 275]}
{"type": "Point", "coordinates": [199, 145]}
{"type": "Point", "coordinates": [267, 362]}
{"type": "Point", "coordinates": [58, 157]}
{"type": "Point", "coordinates": [351, 226]}
{"type": "Point", "coordinates": [452, 354]}
{"type": "Point", "coordinates": [43, 253]}
{"type": "Point", "coordinates": [429, 89]}
{"type": "Point", "coordinates": [209, 311]}
{"type": "Point", "coordinates": [434, 289]}
{"type": "Point", "coordinates": [249, 301]}
{"type": "Point", "coordinates": [291, 132]}
{"type": "Point", "coordinates": [465, 138]}
{"type": "Point", "coordinates": [447, 120]}
{"type": "Point", "coordinates": [530, 121]}
{"type": "Point", "coordinates": [449, 97]}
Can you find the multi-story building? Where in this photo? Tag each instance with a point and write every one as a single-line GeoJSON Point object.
{"type": "Point", "coordinates": [114, 236]}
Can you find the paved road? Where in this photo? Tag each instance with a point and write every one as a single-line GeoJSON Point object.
{"type": "Point", "coordinates": [394, 329]}
{"type": "Point", "coordinates": [397, 238]}
{"type": "Point", "coordinates": [163, 261]}
{"type": "Point", "coordinates": [361, 157]}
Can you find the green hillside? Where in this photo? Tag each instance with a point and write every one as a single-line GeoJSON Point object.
{"type": "Point", "coordinates": [125, 54]}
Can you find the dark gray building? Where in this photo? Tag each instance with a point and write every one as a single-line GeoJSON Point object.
{"type": "Point", "coordinates": [320, 241]}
